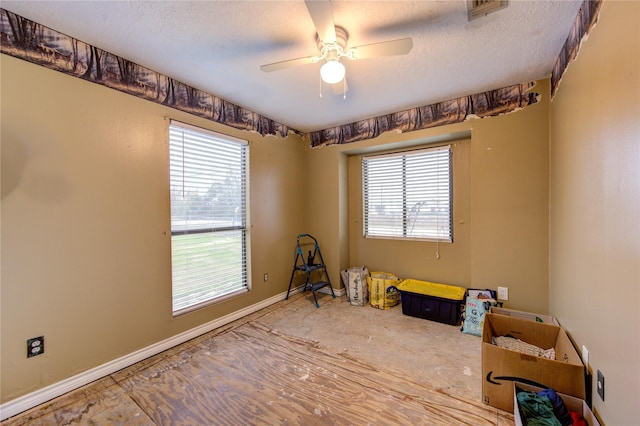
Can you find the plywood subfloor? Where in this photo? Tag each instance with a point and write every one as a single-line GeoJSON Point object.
{"type": "Point", "coordinates": [294, 364]}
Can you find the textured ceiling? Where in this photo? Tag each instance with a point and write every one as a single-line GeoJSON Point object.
{"type": "Point", "coordinates": [218, 47]}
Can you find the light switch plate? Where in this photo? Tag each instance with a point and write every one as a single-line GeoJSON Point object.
{"type": "Point", "coordinates": [585, 357]}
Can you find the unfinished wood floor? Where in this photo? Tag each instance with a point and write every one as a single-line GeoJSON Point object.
{"type": "Point", "coordinates": [294, 364]}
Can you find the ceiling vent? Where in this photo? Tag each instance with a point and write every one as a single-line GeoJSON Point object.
{"type": "Point", "coordinates": [478, 8]}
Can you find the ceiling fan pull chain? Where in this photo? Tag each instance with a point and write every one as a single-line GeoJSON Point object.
{"type": "Point", "coordinates": [320, 87]}
{"type": "Point", "coordinates": [344, 88]}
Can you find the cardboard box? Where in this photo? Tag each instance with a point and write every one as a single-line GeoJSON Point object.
{"type": "Point", "coordinates": [547, 319]}
{"type": "Point", "coordinates": [572, 403]}
{"type": "Point", "coordinates": [501, 367]}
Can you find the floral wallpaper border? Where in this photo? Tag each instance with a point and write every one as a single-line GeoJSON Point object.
{"type": "Point", "coordinates": [485, 104]}
{"type": "Point", "coordinates": [30, 41]}
{"type": "Point", "coordinates": [586, 19]}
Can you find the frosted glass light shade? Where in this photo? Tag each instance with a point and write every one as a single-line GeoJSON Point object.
{"type": "Point", "coordinates": [332, 72]}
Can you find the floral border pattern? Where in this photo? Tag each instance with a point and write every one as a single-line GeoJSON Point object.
{"type": "Point", "coordinates": [30, 41]}
{"type": "Point", "coordinates": [586, 19]}
{"type": "Point", "coordinates": [486, 104]}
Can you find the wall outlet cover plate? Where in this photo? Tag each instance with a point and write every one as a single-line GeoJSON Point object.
{"type": "Point", "coordinates": [503, 293]}
{"type": "Point", "coordinates": [35, 346]}
{"type": "Point", "coordinates": [600, 384]}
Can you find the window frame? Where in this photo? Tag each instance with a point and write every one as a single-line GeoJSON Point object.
{"type": "Point", "coordinates": [404, 235]}
{"type": "Point", "coordinates": [242, 225]}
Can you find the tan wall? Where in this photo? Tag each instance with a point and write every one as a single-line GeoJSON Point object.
{"type": "Point", "coordinates": [85, 224]}
{"type": "Point", "coordinates": [595, 206]}
{"type": "Point", "coordinates": [510, 204]}
{"type": "Point", "coordinates": [500, 207]}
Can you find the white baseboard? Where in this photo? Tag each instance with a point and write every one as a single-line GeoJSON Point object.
{"type": "Point", "coordinates": [33, 399]}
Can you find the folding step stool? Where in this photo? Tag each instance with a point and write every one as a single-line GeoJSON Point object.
{"type": "Point", "coordinates": [312, 265]}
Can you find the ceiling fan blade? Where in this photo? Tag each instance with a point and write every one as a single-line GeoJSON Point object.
{"type": "Point", "coordinates": [401, 46]}
{"type": "Point", "coordinates": [289, 63]}
{"type": "Point", "coordinates": [322, 17]}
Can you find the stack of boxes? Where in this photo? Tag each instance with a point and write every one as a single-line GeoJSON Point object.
{"type": "Point", "coordinates": [504, 369]}
{"type": "Point", "coordinates": [501, 367]}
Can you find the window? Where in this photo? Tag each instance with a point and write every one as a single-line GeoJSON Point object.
{"type": "Point", "coordinates": [208, 174]}
{"type": "Point", "coordinates": [408, 194]}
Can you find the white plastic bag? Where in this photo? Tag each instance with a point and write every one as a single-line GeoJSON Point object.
{"type": "Point", "coordinates": [355, 283]}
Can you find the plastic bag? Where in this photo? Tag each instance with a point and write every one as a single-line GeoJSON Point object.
{"type": "Point", "coordinates": [474, 312]}
{"type": "Point", "coordinates": [355, 284]}
{"type": "Point", "coordinates": [383, 292]}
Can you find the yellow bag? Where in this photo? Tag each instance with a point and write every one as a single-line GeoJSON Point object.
{"type": "Point", "coordinates": [383, 293]}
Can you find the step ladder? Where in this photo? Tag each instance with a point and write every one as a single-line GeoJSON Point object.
{"type": "Point", "coordinates": [312, 266]}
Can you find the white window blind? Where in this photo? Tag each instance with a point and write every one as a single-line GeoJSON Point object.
{"type": "Point", "coordinates": [208, 174]}
{"type": "Point", "coordinates": [408, 194]}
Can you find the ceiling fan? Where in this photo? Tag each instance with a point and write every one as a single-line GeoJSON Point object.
{"type": "Point", "coordinates": [332, 45]}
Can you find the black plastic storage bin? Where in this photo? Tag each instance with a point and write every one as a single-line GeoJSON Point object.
{"type": "Point", "coordinates": [432, 301]}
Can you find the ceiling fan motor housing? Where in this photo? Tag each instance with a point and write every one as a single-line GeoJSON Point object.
{"type": "Point", "coordinates": [333, 51]}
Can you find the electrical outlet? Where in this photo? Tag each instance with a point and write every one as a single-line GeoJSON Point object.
{"type": "Point", "coordinates": [600, 385]}
{"type": "Point", "coordinates": [266, 277]}
{"type": "Point", "coordinates": [503, 293]}
{"type": "Point", "coordinates": [35, 346]}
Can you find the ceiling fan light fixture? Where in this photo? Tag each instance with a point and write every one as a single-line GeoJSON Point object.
{"type": "Point", "coordinates": [332, 71]}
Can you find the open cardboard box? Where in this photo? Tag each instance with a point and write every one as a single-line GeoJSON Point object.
{"type": "Point", "coordinates": [547, 319]}
{"type": "Point", "coordinates": [501, 367]}
{"type": "Point", "coordinates": [572, 403]}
